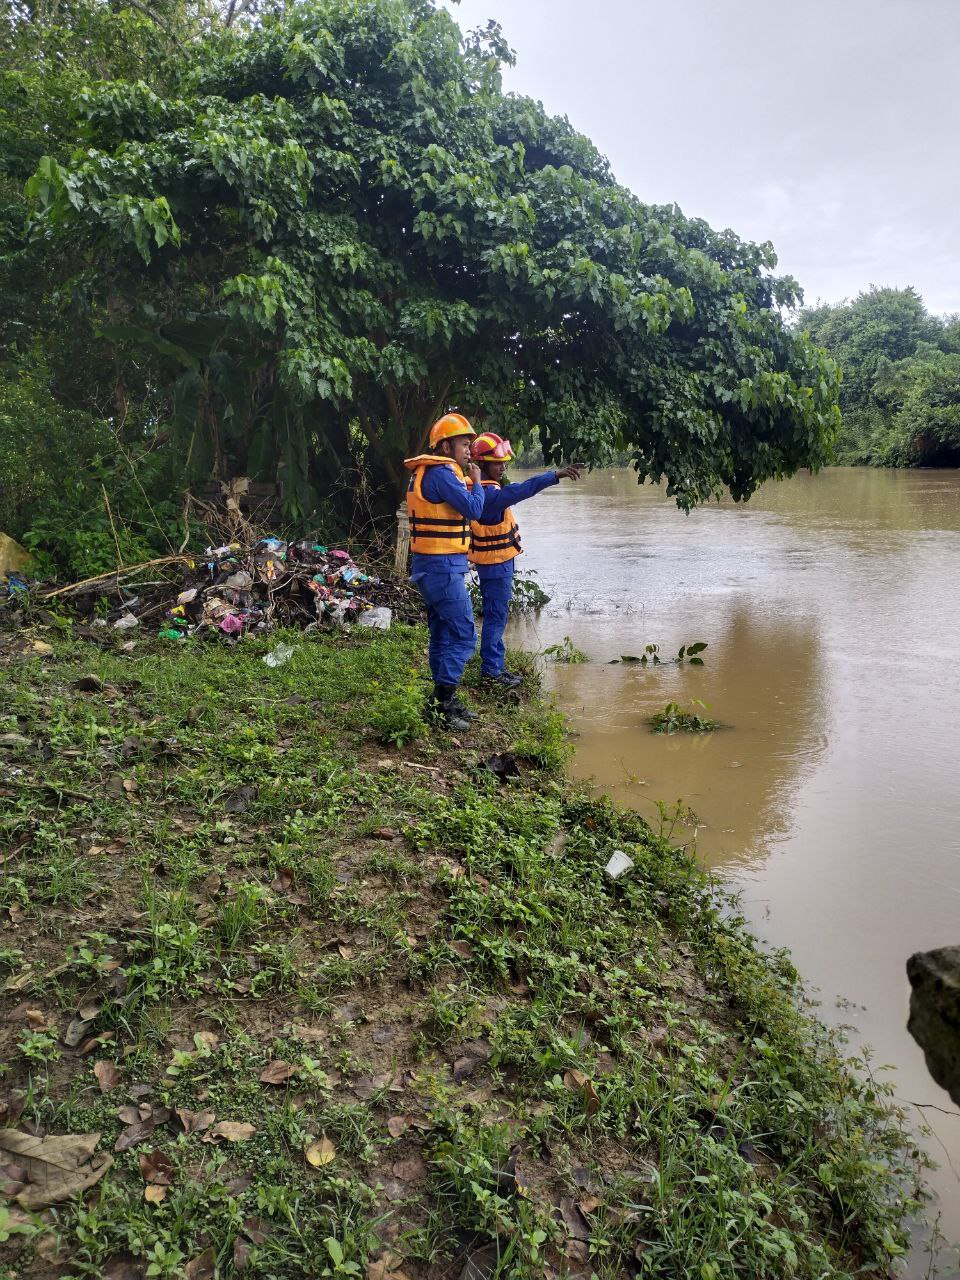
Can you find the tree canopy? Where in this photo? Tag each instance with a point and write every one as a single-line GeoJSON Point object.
{"type": "Point", "coordinates": [900, 395]}
{"type": "Point", "coordinates": [283, 253]}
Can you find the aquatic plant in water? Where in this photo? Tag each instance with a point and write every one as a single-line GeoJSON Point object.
{"type": "Point", "coordinates": [675, 719]}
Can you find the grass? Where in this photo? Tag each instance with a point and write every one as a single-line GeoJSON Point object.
{"type": "Point", "coordinates": [272, 899]}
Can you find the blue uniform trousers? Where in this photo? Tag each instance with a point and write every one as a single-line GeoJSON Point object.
{"type": "Point", "coordinates": [453, 634]}
{"type": "Point", "coordinates": [496, 594]}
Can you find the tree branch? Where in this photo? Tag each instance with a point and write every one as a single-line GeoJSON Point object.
{"type": "Point", "coordinates": [418, 442]}
{"type": "Point", "coordinates": [378, 446]}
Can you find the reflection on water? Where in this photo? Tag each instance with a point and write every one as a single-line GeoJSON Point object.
{"type": "Point", "coordinates": [738, 784]}
{"type": "Point", "coordinates": [831, 611]}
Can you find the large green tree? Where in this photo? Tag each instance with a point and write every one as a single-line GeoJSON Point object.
{"type": "Point", "coordinates": [335, 225]}
{"type": "Point", "coordinates": [900, 394]}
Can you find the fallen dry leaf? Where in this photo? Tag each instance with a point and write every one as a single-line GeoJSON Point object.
{"type": "Point", "coordinates": [88, 684]}
{"type": "Point", "coordinates": [122, 1268]}
{"type": "Point", "coordinates": [398, 1125]}
{"type": "Point", "coordinates": [576, 1224]}
{"type": "Point", "coordinates": [140, 1129]}
{"type": "Point", "coordinates": [155, 1193]}
{"type": "Point", "coordinates": [91, 1043]}
{"type": "Point", "coordinates": [51, 1248]}
{"type": "Point", "coordinates": [130, 786]}
{"type": "Point", "coordinates": [57, 1166]}
{"type": "Point", "coordinates": [764, 1166]}
{"type": "Point", "coordinates": [309, 1034]}
{"type": "Point", "coordinates": [257, 1229]}
{"type": "Point", "coordinates": [482, 1263]}
{"type": "Point", "coordinates": [464, 1067]}
{"type": "Point", "coordinates": [412, 1170]}
{"type": "Point", "coordinates": [209, 1039]}
{"type": "Point", "coordinates": [232, 1130]}
{"type": "Point", "coordinates": [202, 1267]}
{"type": "Point", "coordinates": [11, 1109]}
{"type": "Point", "coordinates": [346, 953]}
{"type": "Point", "coordinates": [80, 1025]}
{"type": "Point", "coordinates": [386, 1268]}
{"type": "Point", "coordinates": [277, 1071]}
{"type": "Point", "coordinates": [320, 1152]}
{"type": "Point", "coordinates": [36, 1018]}
{"type": "Point", "coordinates": [577, 1082]}
{"type": "Point", "coordinates": [195, 1121]}
{"type": "Point", "coordinates": [108, 1076]}
{"type": "Point", "coordinates": [241, 1255]}
{"type": "Point", "coordinates": [156, 1167]}
{"type": "Point", "coordinates": [366, 1086]}
{"type": "Point", "coordinates": [13, 1178]}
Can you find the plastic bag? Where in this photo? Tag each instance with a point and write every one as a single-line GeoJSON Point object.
{"type": "Point", "coordinates": [278, 656]}
{"type": "Point", "coordinates": [378, 619]}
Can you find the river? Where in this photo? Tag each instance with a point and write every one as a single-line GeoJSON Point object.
{"type": "Point", "coordinates": [830, 605]}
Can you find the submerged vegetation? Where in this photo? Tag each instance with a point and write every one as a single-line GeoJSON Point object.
{"type": "Point", "coordinates": [651, 655]}
{"type": "Point", "coordinates": [334, 1008]}
{"type": "Point", "coordinates": [565, 651]}
{"type": "Point", "coordinates": [674, 718]}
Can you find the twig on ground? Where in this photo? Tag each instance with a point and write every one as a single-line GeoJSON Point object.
{"type": "Point", "coordinates": [123, 572]}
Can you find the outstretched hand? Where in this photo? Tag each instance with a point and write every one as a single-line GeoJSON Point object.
{"type": "Point", "coordinates": [572, 471]}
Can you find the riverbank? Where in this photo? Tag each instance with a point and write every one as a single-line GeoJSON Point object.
{"type": "Point", "coordinates": [340, 1001]}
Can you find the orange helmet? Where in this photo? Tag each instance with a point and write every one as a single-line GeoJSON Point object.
{"type": "Point", "coordinates": [448, 427]}
{"type": "Point", "coordinates": [491, 448]}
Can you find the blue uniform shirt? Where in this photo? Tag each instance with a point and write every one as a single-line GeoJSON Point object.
{"type": "Point", "coordinates": [442, 484]}
{"type": "Point", "coordinates": [495, 503]}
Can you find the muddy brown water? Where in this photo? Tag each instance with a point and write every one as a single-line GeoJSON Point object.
{"type": "Point", "coordinates": [831, 609]}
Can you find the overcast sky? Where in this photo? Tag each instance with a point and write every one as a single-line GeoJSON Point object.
{"type": "Point", "coordinates": [831, 127]}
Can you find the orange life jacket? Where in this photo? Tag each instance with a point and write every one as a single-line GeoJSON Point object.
{"type": "Point", "coordinates": [436, 528]}
{"type": "Point", "coordinates": [494, 543]}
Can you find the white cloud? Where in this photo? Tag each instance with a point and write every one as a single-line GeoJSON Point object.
{"type": "Point", "coordinates": [829, 127]}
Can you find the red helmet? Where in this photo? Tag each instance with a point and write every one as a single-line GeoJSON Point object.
{"type": "Point", "coordinates": [489, 447]}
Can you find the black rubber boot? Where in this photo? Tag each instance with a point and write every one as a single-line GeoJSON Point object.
{"type": "Point", "coordinates": [505, 679]}
{"type": "Point", "coordinates": [445, 708]}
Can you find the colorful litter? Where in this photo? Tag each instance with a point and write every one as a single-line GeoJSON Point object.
{"type": "Point", "coordinates": [235, 590]}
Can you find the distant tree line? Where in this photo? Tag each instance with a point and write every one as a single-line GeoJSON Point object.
{"type": "Point", "coordinates": [900, 368]}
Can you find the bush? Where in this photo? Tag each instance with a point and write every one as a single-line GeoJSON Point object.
{"type": "Point", "coordinates": [397, 714]}
{"type": "Point", "coordinates": [59, 468]}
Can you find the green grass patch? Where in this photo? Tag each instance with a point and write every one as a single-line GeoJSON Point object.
{"type": "Point", "coordinates": [331, 992]}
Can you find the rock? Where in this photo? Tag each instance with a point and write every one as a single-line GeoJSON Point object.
{"type": "Point", "coordinates": [935, 1013]}
{"type": "Point", "coordinates": [13, 557]}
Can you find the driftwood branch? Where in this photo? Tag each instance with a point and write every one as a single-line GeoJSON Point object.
{"type": "Point", "coordinates": [125, 571]}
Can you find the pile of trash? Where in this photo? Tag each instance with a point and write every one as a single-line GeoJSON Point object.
{"type": "Point", "coordinates": [235, 590]}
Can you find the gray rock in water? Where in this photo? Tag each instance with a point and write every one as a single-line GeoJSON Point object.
{"type": "Point", "coordinates": [935, 1013]}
